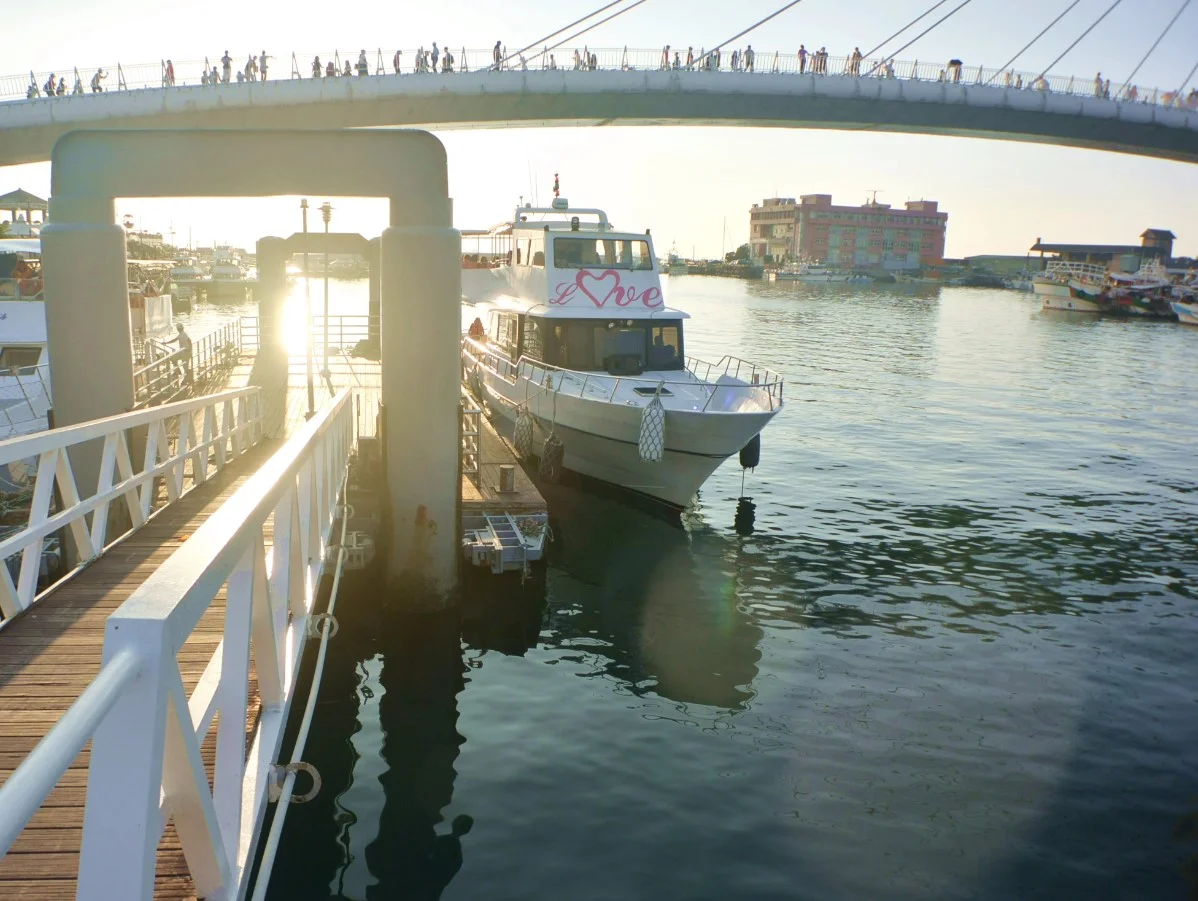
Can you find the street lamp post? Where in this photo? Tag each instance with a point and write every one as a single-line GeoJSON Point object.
{"type": "Point", "coordinates": [326, 211]}
{"type": "Point", "coordinates": [308, 314]}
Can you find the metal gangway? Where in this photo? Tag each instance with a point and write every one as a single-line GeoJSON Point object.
{"type": "Point", "coordinates": [185, 601]}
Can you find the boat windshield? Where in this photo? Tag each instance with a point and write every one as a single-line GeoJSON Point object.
{"type": "Point", "coordinates": [608, 253]}
{"type": "Point", "coordinates": [618, 346]}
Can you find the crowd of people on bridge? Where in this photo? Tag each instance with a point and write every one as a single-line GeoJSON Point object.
{"type": "Point", "coordinates": [441, 60]}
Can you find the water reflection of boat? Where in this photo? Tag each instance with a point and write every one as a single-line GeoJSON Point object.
{"type": "Point", "coordinates": [653, 598]}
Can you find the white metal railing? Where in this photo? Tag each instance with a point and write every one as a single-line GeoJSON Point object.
{"type": "Point", "coordinates": [343, 331]}
{"type": "Point", "coordinates": [604, 386]}
{"type": "Point", "coordinates": [25, 398]}
{"type": "Point", "coordinates": [1064, 270]}
{"type": "Point", "coordinates": [188, 73]}
{"type": "Point", "coordinates": [146, 732]}
{"type": "Point", "coordinates": [183, 443]}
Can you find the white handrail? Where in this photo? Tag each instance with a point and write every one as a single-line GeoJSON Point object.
{"type": "Point", "coordinates": [146, 733]}
{"type": "Point", "coordinates": [759, 377]}
{"type": "Point", "coordinates": [177, 449]}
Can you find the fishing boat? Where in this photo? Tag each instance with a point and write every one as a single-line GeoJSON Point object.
{"type": "Point", "coordinates": [581, 361]}
{"type": "Point", "coordinates": [1065, 285]}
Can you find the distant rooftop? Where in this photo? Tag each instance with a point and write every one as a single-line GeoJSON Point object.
{"type": "Point", "coordinates": [22, 199]}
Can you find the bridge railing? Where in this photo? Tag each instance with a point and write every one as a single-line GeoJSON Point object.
{"type": "Point", "coordinates": [344, 331]}
{"type": "Point", "coordinates": [263, 551]}
{"type": "Point", "coordinates": [184, 443]}
{"type": "Point", "coordinates": [188, 72]}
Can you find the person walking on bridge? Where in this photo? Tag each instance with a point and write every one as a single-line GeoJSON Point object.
{"type": "Point", "coordinates": [1098, 85]}
{"type": "Point", "coordinates": [97, 87]}
{"type": "Point", "coordinates": [749, 57]}
{"type": "Point", "coordinates": [802, 59]}
{"type": "Point", "coordinates": [497, 56]}
{"type": "Point", "coordinates": [262, 58]}
{"type": "Point", "coordinates": [49, 86]}
{"type": "Point", "coordinates": [170, 74]}
{"type": "Point", "coordinates": [665, 57]}
{"type": "Point", "coordinates": [396, 60]}
{"type": "Point", "coordinates": [62, 86]}
{"type": "Point", "coordinates": [690, 57]}
{"type": "Point", "coordinates": [227, 62]}
{"type": "Point", "coordinates": [183, 353]}
{"type": "Point", "coordinates": [363, 65]}
{"type": "Point", "coordinates": [317, 67]}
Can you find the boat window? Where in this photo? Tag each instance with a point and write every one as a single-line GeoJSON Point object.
{"type": "Point", "coordinates": [19, 359]}
{"type": "Point", "coordinates": [592, 253]}
{"type": "Point", "coordinates": [532, 339]}
{"type": "Point", "coordinates": [665, 349]}
{"type": "Point", "coordinates": [538, 258]}
{"type": "Point", "coordinates": [619, 346]}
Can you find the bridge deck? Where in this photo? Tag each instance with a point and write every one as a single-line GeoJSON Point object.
{"type": "Point", "coordinates": [50, 653]}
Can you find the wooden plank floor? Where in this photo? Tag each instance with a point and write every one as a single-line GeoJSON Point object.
{"type": "Point", "coordinates": [485, 496]}
{"type": "Point", "coordinates": [51, 652]}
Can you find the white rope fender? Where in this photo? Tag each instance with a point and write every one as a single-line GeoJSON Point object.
{"type": "Point", "coordinates": [652, 443]}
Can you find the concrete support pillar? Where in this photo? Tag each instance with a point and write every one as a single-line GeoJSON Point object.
{"type": "Point", "coordinates": [421, 334]}
{"type": "Point", "coordinates": [271, 291]}
{"type": "Point", "coordinates": [270, 364]}
{"type": "Point", "coordinates": [87, 321]}
{"type": "Point", "coordinates": [373, 307]}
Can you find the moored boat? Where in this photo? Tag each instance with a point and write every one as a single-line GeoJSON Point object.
{"type": "Point", "coordinates": [1070, 286]}
{"type": "Point", "coordinates": [580, 349]}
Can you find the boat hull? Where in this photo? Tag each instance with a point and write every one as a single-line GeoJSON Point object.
{"type": "Point", "coordinates": [600, 440]}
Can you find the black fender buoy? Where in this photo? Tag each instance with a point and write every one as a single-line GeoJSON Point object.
{"type": "Point", "coordinates": [750, 454]}
{"type": "Point", "coordinates": [746, 515]}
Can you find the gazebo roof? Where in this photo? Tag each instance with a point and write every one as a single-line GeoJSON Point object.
{"type": "Point", "coordinates": [22, 199]}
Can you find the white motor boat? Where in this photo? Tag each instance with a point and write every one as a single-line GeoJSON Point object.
{"type": "Point", "coordinates": [579, 344]}
{"type": "Point", "coordinates": [817, 274]}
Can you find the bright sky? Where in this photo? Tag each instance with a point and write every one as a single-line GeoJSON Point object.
{"type": "Point", "coordinates": [691, 186]}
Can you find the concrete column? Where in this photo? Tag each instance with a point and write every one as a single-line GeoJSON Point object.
{"type": "Point", "coordinates": [373, 325]}
{"type": "Point", "coordinates": [270, 364]}
{"type": "Point", "coordinates": [421, 333]}
{"type": "Point", "coordinates": [87, 321]}
{"type": "Point", "coordinates": [271, 291]}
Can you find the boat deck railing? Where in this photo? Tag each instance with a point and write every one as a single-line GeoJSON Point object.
{"type": "Point", "coordinates": [25, 394]}
{"type": "Point", "coordinates": [604, 386]}
{"type": "Point", "coordinates": [21, 289]}
{"type": "Point", "coordinates": [1066, 269]}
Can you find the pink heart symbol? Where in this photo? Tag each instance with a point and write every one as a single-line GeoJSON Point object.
{"type": "Point", "coordinates": [601, 282]}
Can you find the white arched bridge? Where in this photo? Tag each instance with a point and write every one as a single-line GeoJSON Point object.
{"type": "Point", "coordinates": [632, 88]}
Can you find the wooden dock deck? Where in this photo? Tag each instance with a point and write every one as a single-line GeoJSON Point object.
{"type": "Point", "coordinates": [49, 654]}
{"type": "Point", "coordinates": [485, 497]}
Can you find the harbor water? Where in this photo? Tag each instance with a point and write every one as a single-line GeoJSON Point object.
{"type": "Point", "coordinates": [946, 651]}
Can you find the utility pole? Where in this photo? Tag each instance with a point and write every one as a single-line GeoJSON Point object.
{"type": "Point", "coordinates": [326, 212]}
{"type": "Point", "coordinates": [308, 313]}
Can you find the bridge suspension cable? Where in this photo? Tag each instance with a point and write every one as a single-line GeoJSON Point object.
{"type": "Point", "coordinates": [1177, 93]}
{"type": "Point", "coordinates": [1080, 37]}
{"type": "Point", "coordinates": [1026, 46]}
{"type": "Point", "coordinates": [943, 18]}
{"type": "Point", "coordinates": [1127, 81]}
{"type": "Point", "coordinates": [755, 25]}
{"type": "Point", "coordinates": [591, 27]}
{"type": "Point", "coordinates": [554, 34]}
{"type": "Point", "coordinates": [926, 12]}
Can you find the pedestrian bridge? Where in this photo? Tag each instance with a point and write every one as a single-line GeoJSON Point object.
{"type": "Point", "coordinates": [974, 102]}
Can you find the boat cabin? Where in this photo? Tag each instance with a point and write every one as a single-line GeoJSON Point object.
{"type": "Point", "coordinates": [584, 297]}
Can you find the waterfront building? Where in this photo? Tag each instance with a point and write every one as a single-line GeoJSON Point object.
{"type": "Point", "coordinates": [873, 235]}
{"type": "Point", "coordinates": [1155, 244]}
